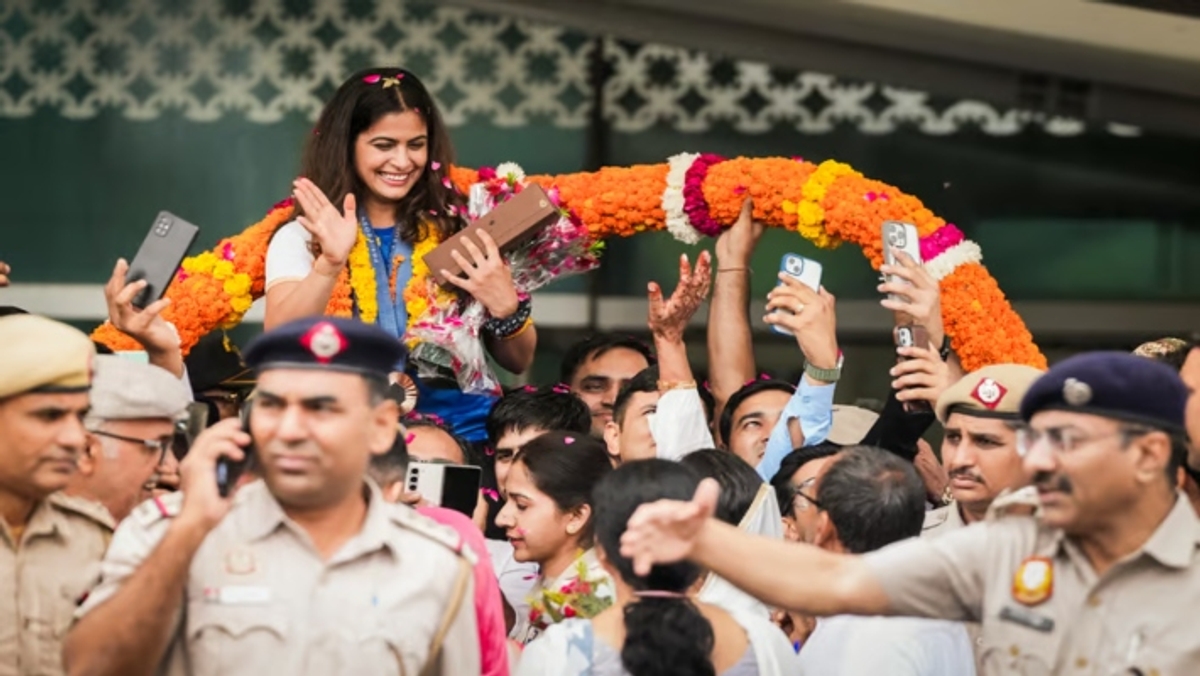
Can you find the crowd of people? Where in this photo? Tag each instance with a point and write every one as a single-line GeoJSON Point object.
{"type": "Point", "coordinates": [229, 512]}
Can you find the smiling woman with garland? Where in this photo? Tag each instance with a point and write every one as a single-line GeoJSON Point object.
{"type": "Point", "coordinates": [380, 152]}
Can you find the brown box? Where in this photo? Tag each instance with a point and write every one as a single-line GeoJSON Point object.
{"type": "Point", "coordinates": [511, 224]}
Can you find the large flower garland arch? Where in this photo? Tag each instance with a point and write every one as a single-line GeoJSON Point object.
{"type": "Point", "coordinates": [691, 195]}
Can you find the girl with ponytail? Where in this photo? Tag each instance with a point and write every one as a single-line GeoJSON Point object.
{"type": "Point", "coordinates": [655, 627]}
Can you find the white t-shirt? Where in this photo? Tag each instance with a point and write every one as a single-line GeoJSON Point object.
{"type": "Point", "coordinates": [516, 579]}
{"type": "Point", "coordinates": [896, 646]}
{"type": "Point", "coordinates": [289, 256]}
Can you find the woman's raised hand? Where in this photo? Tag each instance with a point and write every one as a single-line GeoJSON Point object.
{"type": "Point", "coordinates": [333, 231]}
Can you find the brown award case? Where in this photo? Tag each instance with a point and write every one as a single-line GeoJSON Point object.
{"type": "Point", "coordinates": [511, 224]}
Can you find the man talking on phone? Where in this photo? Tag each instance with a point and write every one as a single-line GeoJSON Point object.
{"type": "Point", "coordinates": [307, 571]}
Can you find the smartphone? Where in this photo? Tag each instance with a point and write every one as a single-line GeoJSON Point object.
{"type": "Point", "coordinates": [900, 236]}
{"type": "Point", "coordinates": [912, 335]}
{"type": "Point", "coordinates": [228, 471]}
{"type": "Point", "coordinates": [159, 257]}
{"type": "Point", "coordinates": [806, 270]}
{"type": "Point", "coordinates": [451, 486]}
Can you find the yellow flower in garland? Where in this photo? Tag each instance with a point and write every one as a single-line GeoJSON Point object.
{"type": "Point", "coordinates": [422, 293]}
{"type": "Point", "coordinates": [809, 211]}
{"type": "Point", "coordinates": [362, 280]}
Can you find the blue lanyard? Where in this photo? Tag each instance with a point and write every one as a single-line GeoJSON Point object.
{"type": "Point", "coordinates": [393, 314]}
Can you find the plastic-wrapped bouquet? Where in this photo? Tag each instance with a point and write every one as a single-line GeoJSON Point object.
{"type": "Point", "coordinates": [446, 338]}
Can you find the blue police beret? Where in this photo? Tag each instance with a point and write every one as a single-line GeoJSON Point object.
{"type": "Point", "coordinates": [1113, 385]}
{"type": "Point", "coordinates": [329, 343]}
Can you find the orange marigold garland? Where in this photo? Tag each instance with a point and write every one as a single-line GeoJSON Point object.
{"type": "Point", "coordinates": [827, 204]}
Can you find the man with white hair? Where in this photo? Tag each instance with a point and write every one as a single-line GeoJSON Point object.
{"type": "Point", "coordinates": [131, 429]}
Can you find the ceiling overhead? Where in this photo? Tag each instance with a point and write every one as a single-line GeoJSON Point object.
{"type": "Point", "coordinates": [1133, 62]}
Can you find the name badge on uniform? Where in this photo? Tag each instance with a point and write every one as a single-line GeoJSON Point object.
{"type": "Point", "coordinates": [1027, 618]}
{"type": "Point", "coordinates": [238, 595]}
{"type": "Point", "coordinates": [1033, 582]}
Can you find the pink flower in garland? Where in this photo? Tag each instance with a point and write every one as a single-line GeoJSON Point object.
{"type": "Point", "coordinates": [942, 239]}
{"type": "Point", "coordinates": [694, 204]}
{"type": "Point", "coordinates": [372, 78]}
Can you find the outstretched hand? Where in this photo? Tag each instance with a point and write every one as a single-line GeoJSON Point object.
{"type": "Point", "coordinates": [669, 318]}
{"type": "Point", "coordinates": [146, 326]}
{"type": "Point", "coordinates": [921, 376]}
{"type": "Point", "coordinates": [736, 245]}
{"type": "Point", "coordinates": [334, 232]}
{"type": "Point", "coordinates": [667, 531]}
{"type": "Point", "coordinates": [810, 316]}
{"type": "Point", "coordinates": [915, 293]}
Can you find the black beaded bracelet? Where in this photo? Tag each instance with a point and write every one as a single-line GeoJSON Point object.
{"type": "Point", "coordinates": [505, 327]}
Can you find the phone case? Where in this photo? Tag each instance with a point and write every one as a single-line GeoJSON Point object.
{"type": "Point", "coordinates": [451, 486]}
{"type": "Point", "coordinates": [804, 269]}
{"type": "Point", "coordinates": [902, 236]}
{"type": "Point", "coordinates": [511, 224]}
{"type": "Point", "coordinates": [160, 255]}
{"type": "Point", "coordinates": [913, 335]}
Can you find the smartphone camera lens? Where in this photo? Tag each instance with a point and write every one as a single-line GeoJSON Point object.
{"type": "Point", "coordinates": [795, 266]}
{"type": "Point", "coordinates": [905, 338]}
{"type": "Point", "coordinates": [896, 237]}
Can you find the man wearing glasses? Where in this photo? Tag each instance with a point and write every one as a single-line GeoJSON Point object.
{"type": "Point", "coordinates": [131, 431]}
{"type": "Point", "coordinates": [981, 417]}
{"type": "Point", "coordinates": [1105, 579]}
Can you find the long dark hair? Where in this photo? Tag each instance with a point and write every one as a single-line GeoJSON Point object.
{"type": "Point", "coordinates": [566, 466]}
{"type": "Point", "coordinates": [663, 635]}
{"type": "Point", "coordinates": [328, 159]}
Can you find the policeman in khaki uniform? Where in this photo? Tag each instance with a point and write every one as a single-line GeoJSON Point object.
{"type": "Point", "coordinates": [307, 571]}
{"type": "Point", "coordinates": [981, 416]}
{"type": "Point", "coordinates": [1106, 580]}
{"type": "Point", "coordinates": [50, 545]}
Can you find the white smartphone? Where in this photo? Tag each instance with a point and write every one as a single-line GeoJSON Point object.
{"type": "Point", "coordinates": [900, 236]}
{"type": "Point", "coordinates": [805, 270]}
{"type": "Point", "coordinates": [451, 486]}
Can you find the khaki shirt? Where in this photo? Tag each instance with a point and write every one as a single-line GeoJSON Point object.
{"type": "Point", "coordinates": [1138, 616]}
{"type": "Point", "coordinates": [44, 579]}
{"type": "Point", "coordinates": [260, 600]}
{"type": "Point", "coordinates": [942, 520]}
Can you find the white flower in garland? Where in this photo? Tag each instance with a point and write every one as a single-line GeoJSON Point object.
{"type": "Point", "coordinates": [946, 262]}
{"type": "Point", "coordinates": [512, 171]}
{"type": "Point", "coordinates": [672, 199]}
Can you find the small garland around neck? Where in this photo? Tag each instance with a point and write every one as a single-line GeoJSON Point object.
{"type": "Point", "coordinates": [357, 284]}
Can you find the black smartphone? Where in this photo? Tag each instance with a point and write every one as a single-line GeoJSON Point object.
{"type": "Point", "coordinates": [451, 486]}
{"type": "Point", "coordinates": [228, 471]}
{"type": "Point", "coordinates": [159, 257]}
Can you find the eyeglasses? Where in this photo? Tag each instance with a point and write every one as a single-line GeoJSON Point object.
{"type": "Point", "coordinates": [1064, 439]}
{"type": "Point", "coordinates": [158, 446]}
{"type": "Point", "coordinates": [799, 491]}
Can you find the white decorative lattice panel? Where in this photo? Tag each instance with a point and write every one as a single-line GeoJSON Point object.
{"type": "Point", "coordinates": [264, 59]}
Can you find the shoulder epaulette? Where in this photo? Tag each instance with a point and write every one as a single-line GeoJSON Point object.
{"type": "Point", "coordinates": [1020, 502]}
{"type": "Point", "coordinates": [446, 536]}
{"type": "Point", "coordinates": [158, 508]}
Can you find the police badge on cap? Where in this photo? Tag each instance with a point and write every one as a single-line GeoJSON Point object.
{"type": "Point", "coordinates": [327, 342]}
{"type": "Point", "coordinates": [1076, 392]}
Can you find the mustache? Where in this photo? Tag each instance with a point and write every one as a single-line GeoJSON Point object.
{"type": "Point", "coordinates": [1048, 481]}
{"type": "Point", "coordinates": [966, 473]}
